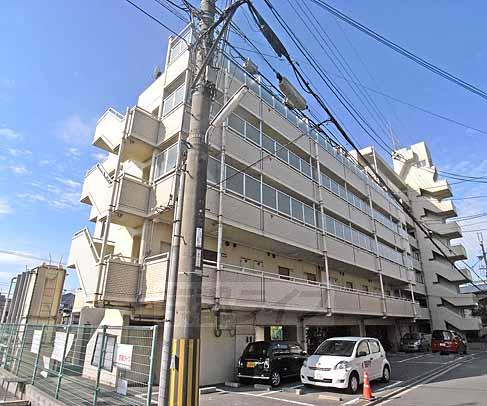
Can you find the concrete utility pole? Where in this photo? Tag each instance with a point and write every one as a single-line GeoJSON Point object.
{"type": "Point", "coordinates": [185, 360]}
{"type": "Point", "coordinates": [481, 241]}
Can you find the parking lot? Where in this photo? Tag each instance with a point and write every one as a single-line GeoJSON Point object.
{"type": "Point", "coordinates": [406, 368]}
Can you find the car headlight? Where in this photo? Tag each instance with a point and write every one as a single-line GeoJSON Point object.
{"type": "Point", "coordinates": [417, 342]}
{"type": "Point", "coordinates": [267, 363]}
{"type": "Point", "coordinates": [342, 365]}
{"type": "Point", "coordinates": [305, 363]}
{"type": "Point", "coordinates": [240, 362]}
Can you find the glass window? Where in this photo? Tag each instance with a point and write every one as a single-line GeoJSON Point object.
{"type": "Point", "coordinates": [282, 152]}
{"type": "Point", "coordinates": [107, 361]}
{"type": "Point", "coordinates": [213, 170]}
{"type": "Point", "coordinates": [268, 144]}
{"type": "Point", "coordinates": [252, 133]}
{"type": "Point", "coordinates": [252, 188]}
{"type": "Point", "coordinates": [334, 187]}
{"type": "Point", "coordinates": [363, 349]}
{"type": "Point", "coordinates": [339, 229]}
{"type": "Point", "coordinates": [284, 272]}
{"type": "Point", "coordinates": [330, 225]}
{"type": "Point", "coordinates": [347, 233]}
{"type": "Point", "coordinates": [172, 157]}
{"type": "Point", "coordinates": [269, 196]}
{"type": "Point", "coordinates": [253, 84]}
{"type": "Point", "coordinates": [297, 209]}
{"type": "Point", "coordinates": [160, 164]}
{"type": "Point", "coordinates": [342, 192]}
{"type": "Point", "coordinates": [236, 123]}
{"type": "Point", "coordinates": [279, 106]}
{"type": "Point", "coordinates": [173, 100]}
{"type": "Point", "coordinates": [294, 161]}
{"type": "Point", "coordinates": [325, 181]}
{"type": "Point", "coordinates": [234, 180]}
{"type": "Point", "coordinates": [283, 203]}
{"type": "Point", "coordinates": [309, 215]}
{"type": "Point", "coordinates": [356, 237]}
{"type": "Point", "coordinates": [267, 97]}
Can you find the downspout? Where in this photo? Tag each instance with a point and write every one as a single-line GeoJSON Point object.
{"type": "Point", "coordinates": [221, 191]}
{"type": "Point", "coordinates": [323, 230]}
{"type": "Point", "coordinates": [111, 207]}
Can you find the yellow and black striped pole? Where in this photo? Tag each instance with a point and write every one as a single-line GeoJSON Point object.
{"type": "Point", "coordinates": [184, 386]}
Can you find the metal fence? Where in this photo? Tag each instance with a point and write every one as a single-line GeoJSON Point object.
{"type": "Point", "coordinates": [83, 364]}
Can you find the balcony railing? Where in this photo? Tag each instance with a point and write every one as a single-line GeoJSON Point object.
{"type": "Point", "coordinates": [447, 230]}
{"type": "Point", "coordinates": [251, 288]}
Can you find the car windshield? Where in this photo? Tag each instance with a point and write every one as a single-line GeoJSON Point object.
{"type": "Point", "coordinates": [441, 335]}
{"type": "Point", "coordinates": [258, 350]}
{"type": "Point", "coordinates": [411, 336]}
{"type": "Point", "coordinates": [340, 348]}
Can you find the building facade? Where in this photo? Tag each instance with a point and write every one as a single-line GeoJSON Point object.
{"type": "Point", "coordinates": [35, 296]}
{"type": "Point", "coordinates": [302, 245]}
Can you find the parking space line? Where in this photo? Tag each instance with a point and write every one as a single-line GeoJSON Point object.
{"type": "Point", "coordinates": [389, 386]}
{"type": "Point", "coordinates": [351, 402]}
{"type": "Point", "coordinates": [297, 386]}
{"type": "Point", "coordinates": [295, 402]}
{"type": "Point", "coordinates": [268, 393]}
{"type": "Point", "coordinates": [409, 359]}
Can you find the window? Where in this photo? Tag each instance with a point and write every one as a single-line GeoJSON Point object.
{"type": "Point", "coordinates": [363, 349]}
{"type": "Point", "coordinates": [166, 161]}
{"type": "Point", "coordinates": [349, 285]}
{"type": "Point", "coordinates": [269, 196]}
{"type": "Point", "coordinates": [282, 152]}
{"type": "Point", "coordinates": [330, 225]}
{"type": "Point", "coordinates": [210, 255]}
{"type": "Point", "coordinates": [365, 288]}
{"type": "Point", "coordinates": [252, 133]}
{"type": "Point", "coordinates": [374, 346]}
{"type": "Point", "coordinates": [309, 215]}
{"type": "Point", "coordinates": [284, 272]}
{"type": "Point", "coordinates": [306, 168]}
{"type": "Point", "coordinates": [173, 100]}
{"type": "Point", "coordinates": [234, 180]}
{"type": "Point", "coordinates": [213, 170]}
{"type": "Point", "coordinates": [295, 349]}
{"type": "Point", "coordinates": [236, 123]}
{"type": "Point", "coordinates": [294, 161]}
{"type": "Point", "coordinates": [109, 351]}
{"type": "Point", "coordinates": [252, 188]}
{"type": "Point", "coordinates": [283, 203]}
{"type": "Point", "coordinates": [268, 144]}
{"type": "Point", "coordinates": [179, 45]}
{"type": "Point", "coordinates": [297, 209]}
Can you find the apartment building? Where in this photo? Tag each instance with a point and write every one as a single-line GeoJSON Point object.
{"type": "Point", "coordinates": [301, 246]}
{"type": "Point", "coordinates": [35, 295]}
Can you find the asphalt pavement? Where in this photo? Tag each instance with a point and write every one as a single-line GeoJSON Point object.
{"type": "Point", "coordinates": [452, 377]}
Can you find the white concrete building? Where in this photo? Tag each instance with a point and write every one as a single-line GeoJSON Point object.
{"type": "Point", "coordinates": [303, 245]}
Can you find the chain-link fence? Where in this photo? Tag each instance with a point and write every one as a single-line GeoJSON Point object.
{"type": "Point", "coordinates": [83, 364]}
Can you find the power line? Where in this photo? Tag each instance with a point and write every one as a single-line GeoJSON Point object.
{"type": "Point", "coordinates": [470, 197]}
{"type": "Point", "coordinates": [310, 91]}
{"type": "Point", "coordinates": [401, 50]}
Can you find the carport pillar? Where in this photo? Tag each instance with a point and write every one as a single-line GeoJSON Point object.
{"type": "Point", "coordinates": [259, 333]}
{"type": "Point", "coordinates": [300, 336]}
{"type": "Point", "coordinates": [361, 327]}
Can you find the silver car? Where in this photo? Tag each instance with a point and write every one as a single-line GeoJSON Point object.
{"type": "Point", "coordinates": [415, 342]}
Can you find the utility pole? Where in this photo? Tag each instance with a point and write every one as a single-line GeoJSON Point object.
{"type": "Point", "coordinates": [481, 241]}
{"type": "Point", "coordinates": [185, 359]}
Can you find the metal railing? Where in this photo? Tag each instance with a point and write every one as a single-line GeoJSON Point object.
{"type": "Point", "coordinates": [83, 364]}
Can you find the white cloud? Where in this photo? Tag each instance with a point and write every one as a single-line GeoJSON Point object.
{"type": "Point", "coordinates": [74, 130]}
{"type": "Point", "coordinates": [18, 169]}
{"type": "Point", "coordinates": [73, 152]}
{"type": "Point", "coordinates": [470, 132]}
{"type": "Point", "coordinates": [19, 152]}
{"type": "Point", "coordinates": [44, 162]}
{"type": "Point", "coordinates": [100, 156]}
{"type": "Point", "coordinates": [4, 207]}
{"type": "Point", "coordinates": [32, 197]}
{"type": "Point", "coordinates": [70, 183]}
{"type": "Point", "coordinates": [9, 133]}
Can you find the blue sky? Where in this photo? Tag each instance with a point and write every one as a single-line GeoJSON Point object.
{"type": "Point", "coordinates": [64, 63]}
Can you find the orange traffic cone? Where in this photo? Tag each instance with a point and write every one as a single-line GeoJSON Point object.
{"type": "Point", "coordinates": [367, 395]}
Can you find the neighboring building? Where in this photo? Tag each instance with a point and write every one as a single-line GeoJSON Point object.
{"type": "Point", "coordinates": [66, 308]}
{"type": "Point", "coordinates": [36, 296]}
{"type": "Point", "coordinates": [3, 303]}
{"type": "Point", "coordinates": [303, 246]}
{"type": "Point", "coordinates": [428, 197]}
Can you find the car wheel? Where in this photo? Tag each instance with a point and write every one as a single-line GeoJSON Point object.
{"type": "Point", "coordinates": [353, 383]}
{"type": "Point", "coordinates": [386, 374]}
{"type": "Point", "coordinates": [275, 379]}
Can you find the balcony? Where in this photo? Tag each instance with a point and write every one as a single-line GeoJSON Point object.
{"type": "Point", "coordinates": [445, 208]}
{"type": "Point", "coordinates": [96, 190]}
{"type": "Point", "coordinates": [119, 280]}
{"type": "Point", "coordinates": [109, 129]}
{"type": "Point", "coordinates": [142, 133]}
{"type": "Point", "coordinates": [132, 201]}
{"type": "Point", "coordinates": [253, 289]}
{"type": "Point", "coordinates": [153, 278]}
{"type": "Point", "coordinates": [439, 190]}
{"type": "Point", "coordinates": [447, 230]}
{"type": "Point", "coordinates": [456, 252]}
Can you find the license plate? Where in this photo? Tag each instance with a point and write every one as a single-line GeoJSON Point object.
{"type": "Point", "coordinates": [319, 375]}
{"type": "Point", "coordinates": [442, 345]}
{"type": "Point", "coordinates": [251, 364]}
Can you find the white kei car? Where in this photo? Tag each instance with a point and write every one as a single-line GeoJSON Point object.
{"type": "Point", "coordinates": [341, 362]}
